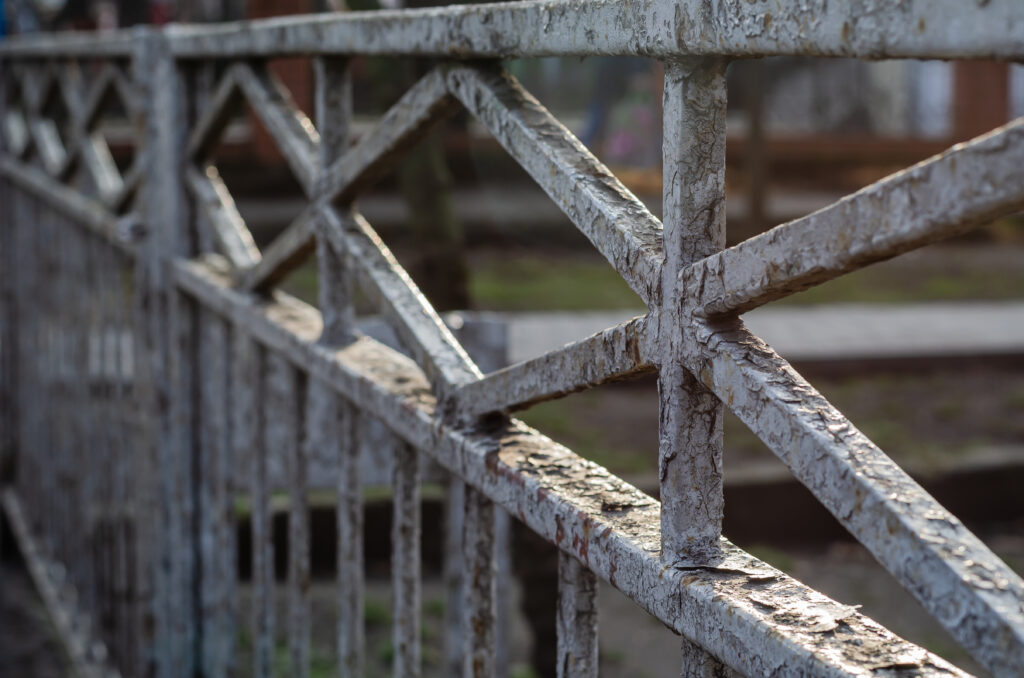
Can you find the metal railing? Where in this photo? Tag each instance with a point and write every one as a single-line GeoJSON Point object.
{"type": "Point", "coordinates": [147, 354]}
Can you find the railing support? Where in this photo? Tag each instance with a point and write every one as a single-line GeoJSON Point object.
{"type": "Point", "coordinates": [690, 456]}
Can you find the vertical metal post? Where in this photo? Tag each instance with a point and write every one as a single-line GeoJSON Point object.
{"type": "Point", "coordinates": [690, 458]}
{"type": "Point", "coordinates": [479, 585]}
{"type": "Point", "coordinates": [333, 105]}
{"type": "Point", "coordinates": [333, 112]}
{"type": "Point", "coordinates": [576, 620]}
{"type": "Point", "coordinates": [697, 663]}
{"type": "Point", "coordinates": [405, 560]}
{"type": "Point", "coordinates": [454, 514]}
{"type": "Point", "coordinates": [167, 339]}
{"type": "Point", "coordinates": [350, 540]}
{"type": "Point", "coordinates": [296, 456]}
{"type": "Point", "coordinates": [216, 533]}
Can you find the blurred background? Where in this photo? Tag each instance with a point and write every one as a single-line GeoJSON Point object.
{"type": "Point", "coordinates": [924, 353]}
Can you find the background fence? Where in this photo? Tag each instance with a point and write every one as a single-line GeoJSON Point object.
{"type": "Point", "coordinates": [147, 356]}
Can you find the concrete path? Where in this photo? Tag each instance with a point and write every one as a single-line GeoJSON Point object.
{"type": "Point", "coordinates": [828, 332]}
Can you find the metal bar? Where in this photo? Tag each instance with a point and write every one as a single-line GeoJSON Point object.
{"type": "Point", "coordinates": [289, 250]}
{"type": "Point", "coordinates": [966, 588]}
{"type": "Point", "coordinates": [404, 124]}
{"type": "Point", "coordinates": [405, 560]}
{"type": "Point", "coordinates": [479, 585]}
{"type": "Point", "coordinates": [413, 319]}
{"type": "Point", "coordinates": [16, 133]}
{"type": "Point", "coordinates": [99, 163]}
{"type": "Point", "coordinates": [216, 524]}
{"type": "Point", "coordinates": [615, 532]}
{"type": "Point", "coordinates": [87, 144]}
{"type": "Point", "coordinates": [120, 200]}
{"type": "Point", "coordinates": [333, 116]}
{"type": "Point", "coordinates": [99, 91]}
{"type": "Point", "coordinates": [662, 28]}
{"type": "Point", "coordinates": [620, 352]}
{"type": "Point", "coordinates": [262, 523]}
{"type": "Point", "coordinates": [933, 200]}
{"type": "Point", "coordinates": [696, 663]}
{"type": "Point", "coordinates": [223, 106]}
{"type": "Point", "coordinates": [690, 430]}
{"type": "Point", "coordinates": [577, 619]}
{"type": "Point", "coordinates": [454, 572]}
{"type": "Point", "coordinates": [85, 653]}
{"type": "Point", "coordinates": [71, 44]}
{"type": "Point", "coordinates": [216, 203]}
{"type": "Point", "coordinates": [294, 133]}
{"type": "Point", "coordinates": [48, 145]}
{"type": "Point", "coordinates": [176, 475]}
{"type": "Point", "coordinates": [346, 445]}
{"type": "Point", "coordinates": [247, 447]}
{"type": "Point", "coordinates": [604, 210]}
{"type": "Point", "coordinates": [293, 417]}
{"type": "Point", "coordinates": [81, 210]}
{"type": "Point", "coordinates": [169, 337]}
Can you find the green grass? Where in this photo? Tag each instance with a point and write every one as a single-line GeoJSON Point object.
{"type": "Point", "coordinates": [527, 281]}
{"type": "Point", "coordinates": [531, 283]}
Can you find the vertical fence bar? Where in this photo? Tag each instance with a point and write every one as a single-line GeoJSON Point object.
{"type": "Point", "coordinates": [124, 414]}
{"type": "Point", "coordinates": [299, 628]}
{"type": "Point", "coordinates": [247, 444]}
{"type": "Point", "coordinates": [479, 585]}
{"type": "Point", "coordinates": [405, 560]}
{"type": "Point", "coordinates": [690, 457]}
{"type": "Point", "coordinates": [333, 104]}
{"type": "Point", "coordinates": [8, 312]}
{"type": "Point", "coordinates": [216, 538]}
{"type": "Point", "coordinates": [454, 513]}
{"type": "Point", "coordinates": [350, 540]}
{"type": "Point", "coordinates": [168, 338]}
{"type": "Point", "coordinates": [262, 526]}
{"type": "Point", "coordinates": [577, 619]}
{"type": "Point", "coordinates": [333, 118]}
{"type": "Point", "coordinates": [696, 663]}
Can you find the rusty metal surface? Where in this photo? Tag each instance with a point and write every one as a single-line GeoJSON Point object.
{"type": "Point", "coordinates": [878, 29]}
{"type": "Point", "coordinates": [224, 374]}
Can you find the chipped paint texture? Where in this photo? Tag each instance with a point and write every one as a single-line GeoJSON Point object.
{"type": "Point", "coordinates": [218, 375]}
{"type": "Point", "coordinates": [871, 29]}
{"type": "Point", "coordinates": [946, 195]}
{"type": "Point", "coordinates": [577, 619]}
{"type": "Point", "coordinates": [690, 417]}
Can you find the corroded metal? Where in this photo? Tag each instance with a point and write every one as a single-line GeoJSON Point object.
{"type": "Point", "coordinates": [662, 28]}
{"type": "Point", "coordinates": [773, 621]}
{"type": "Point", "coordinates": [226, 374]}
{"type": "Point", "coordinates": [968, 185]}
{"type": "Point", "coordinates": [621, 352]}
{"type": "Point", "coordinates": [405, 559]}
{"type": "Point", "coordinates": [618, 224]}
{"type": "Point", "coordinates": [212, 197]}
{"type": "Point", "coordinates": [577, 619]}
{"type": "Point", "coordinates": [951, 572]}
{"type": "Point", "coordinates": [690, 418]}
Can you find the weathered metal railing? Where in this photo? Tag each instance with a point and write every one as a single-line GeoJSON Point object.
{"type": "Point", "coordinates": [123, 494]}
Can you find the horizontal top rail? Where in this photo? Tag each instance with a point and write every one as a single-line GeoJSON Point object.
{"type": "Point", "coordinates": [993, 29]}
